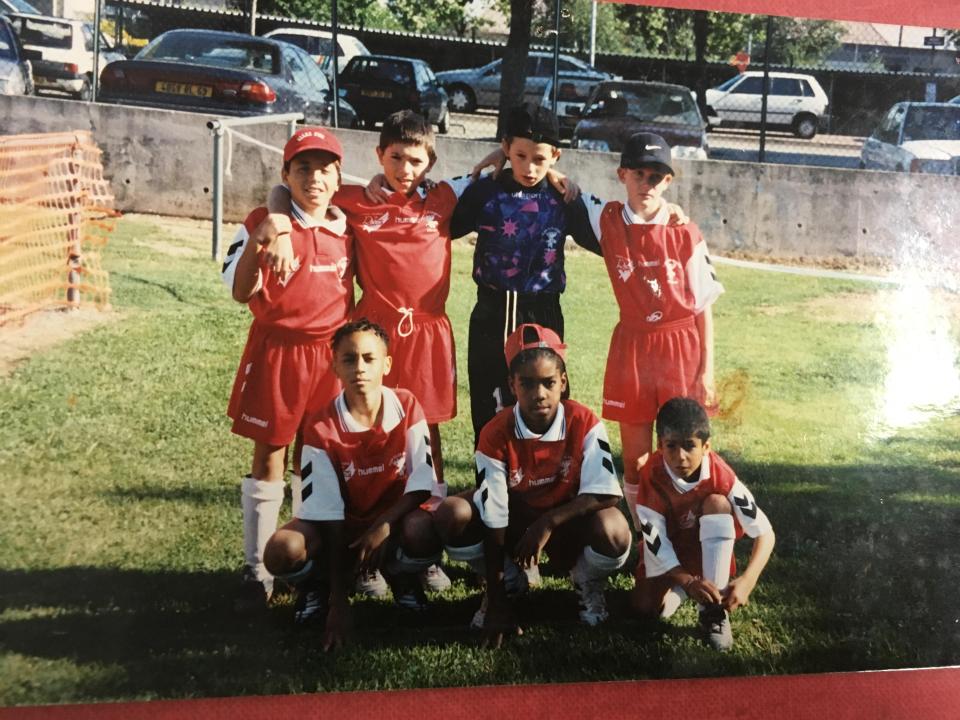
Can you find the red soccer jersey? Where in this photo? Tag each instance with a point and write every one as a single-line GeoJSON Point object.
{"type": "Point", "coordinates": [660, 273]}
{"type": "Point", "coordinates": [354, 473]}
{"type": "Point", "coordinates": [541, 472]}
{"type": "Point", "coordinates": [670, 509]}
{"type": "Point", "coordinates": [318, 297]}
{"type": "Point", "coordinates": [403, 247]}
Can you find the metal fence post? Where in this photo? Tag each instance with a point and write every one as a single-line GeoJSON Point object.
{"type": "Point", "coordinates": [217, 186]}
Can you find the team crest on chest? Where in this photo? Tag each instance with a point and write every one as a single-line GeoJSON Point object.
{"type": "Point", "coordinates": [349, 471]}
{"type": "Point", "coordinates": [654, 286]}
{"type": "Point", "coordinates": [516, 477]}
{"type": "Point", "coordinates": [689, 520]}
{"type": "Point", "coordinates": [563, 473]}
{"type": "Point", "coordinates": [398, 463]}
{"type": "Point", "coordinates": [372, 223]}
{"type": "Point", "coordinates": [294, 266]}
{"type": "Point", "coordinates": [625, 267]}
{"type": "Point", "coordinates": [342, 266]}
{"type": "Point", "coordinates": [672, 267]}
{"type": "Point", "coordinates": [431, 220]}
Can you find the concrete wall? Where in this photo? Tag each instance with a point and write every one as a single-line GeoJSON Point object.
{"type": "Point", "coordinates": [161, 162]}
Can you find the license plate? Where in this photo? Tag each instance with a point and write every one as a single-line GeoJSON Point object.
{"type": "Point", "coordinates": [203, 91]}
{"type": "Point", "coordinates": [376, 93]}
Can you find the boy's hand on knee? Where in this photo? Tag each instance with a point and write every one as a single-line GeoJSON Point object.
{"type": "Point", "coordinates": [500, 622]}
{"type": "Point", "coordinates": [677, 215]}
{"type": "Point", "coordinates": [531, 544]}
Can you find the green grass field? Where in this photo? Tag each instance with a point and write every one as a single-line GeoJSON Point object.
{"type": "Point", "coordinates": [120, 540]}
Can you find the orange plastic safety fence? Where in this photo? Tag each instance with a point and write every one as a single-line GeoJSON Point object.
{"type": "Point", "coordinates": [54, 217]}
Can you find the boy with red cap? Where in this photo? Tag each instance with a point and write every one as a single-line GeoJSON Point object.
{"type": "Point", "coordinates": [285, 370]}
{"type": "Point", "coordinates": [545, 481]}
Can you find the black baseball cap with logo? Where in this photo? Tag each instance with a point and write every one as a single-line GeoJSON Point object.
{"type": "Point", "coordinates": [645, 149]}
{"type": "Point", "coordinates": [533, 122]}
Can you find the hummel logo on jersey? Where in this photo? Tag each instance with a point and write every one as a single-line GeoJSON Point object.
{"type": "Point", "coordinates": [625, 267]}
{"type": "Point", "coordinates": [747, 506]}
{"type": "Point", "coordinates": [254, 421]}
{"type": "Point", "coordinates": [650, 536]}
{"type": "Point", "coordinates": [339, 267]}
{"type": "Point", "coordinates": [372, 223]}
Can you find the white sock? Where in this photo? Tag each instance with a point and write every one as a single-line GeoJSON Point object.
{"type": "Point", "coordinates": [296, 494]}
{"type": "Point", "coordinates": [403, 563]}
{"type": "Point", "coordinates": [261, 502]}
{"type": "Point", "coordinates": [591, 565]}
{"type": "Point", "coordinates": [470, 554]}
{"type": "Point", "coordinates": [716, 540]}
{"type": "Point", "coordinates": [672, 601]}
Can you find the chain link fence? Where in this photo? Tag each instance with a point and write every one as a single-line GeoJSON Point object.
{"type": "Point", "coordinates": [716, 85]}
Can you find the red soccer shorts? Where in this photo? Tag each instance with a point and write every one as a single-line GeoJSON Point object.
{"type": "Point", "coordinates": [281, 381]}
{"type": "Point", "coordinates": [423, 358]}
{"type": "Point", "coordinates": [645, 369]}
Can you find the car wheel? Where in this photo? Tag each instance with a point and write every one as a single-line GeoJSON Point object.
{"type": "Point", "coordinates": [805, 126]}
{"type": "Point", "coordinates": [86, 91]}
{"type": "Point", "coordinates": [462, 99]}
{"type": "Point", "coordinates": [444, 125]}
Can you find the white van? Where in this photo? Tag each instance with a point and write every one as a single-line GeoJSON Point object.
{"type": "Point", "coordinates": [318, 44]}
{"type": "Point", "coordinates": [796, 101]}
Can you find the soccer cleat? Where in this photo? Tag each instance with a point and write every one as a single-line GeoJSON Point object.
{"type": "Point", "coordinates": [480, 616]}
{"type": "Point", "coordinates": [716, 625]}
{"type": "Point", "coordinates": [434, 579]}
{"type": "Point", "coordinates": [593, 605]}
{"type": "Point", "coordinates": [254, 593]}
{"type": "Point", "coordinates": [372, 584]}
{"type": "Point", "coordinates": [312, 602]}
{"type": "Point", "coordinates": [407, 592]}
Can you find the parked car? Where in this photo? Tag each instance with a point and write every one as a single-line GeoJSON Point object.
{"type": "Point", "coordinates": [66, 49]}
{"type": "Point", "coordinates": [480, 87]}
{"type": "Point", "coordinates": [319, 43]}
{"type": "Point", "coordinates": [377, 85]}
{"type": "Point", "coordinates": [223, 73]}
{"type": "Point", "coordinates": [795, 101]}
{"type": "Point", "coordinates": [617, 109]}
{"type": "Point", "coordinates": [21, 6]}
{"type": "Point", "coordinates": [574, 90]}
{"type": "Point", "coordinates": [916, 137]}
{"type": "Point", "coordinates": [16, 73]}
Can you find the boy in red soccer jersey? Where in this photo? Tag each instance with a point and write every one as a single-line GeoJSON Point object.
{"type": "Point", "coordinates": [546, 481]}
{"type": "Point", "coordinates": [366, 468]}
{"type": "Point", "coordinates": [665, 285]}
{"type": "Point", "coordinates": [691, 508]}
{"type": "Point", "coordinates": [285, 370]}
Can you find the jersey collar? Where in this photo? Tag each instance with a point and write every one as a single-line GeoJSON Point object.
{"type": "Point", "coordinates": [392, 413]}
{"type": "Point", "coordinates": [337, 225]}
{"type": "Point", "coordinates": [557, 431]}
{"type": "Point", "coordinates": [631, 218]}
{"type": "Point", "coordinates": [682, 485]}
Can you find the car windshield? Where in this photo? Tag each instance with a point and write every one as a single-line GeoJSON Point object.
{"type": "Point", "coordinates": [932, 123]}
{"type": "Point", "coordinates": [42, 32]}
{"type": "Point", "coordinates": [651, 104]}
{"type": "Point", "coordinates": [728, 84]}
{"type": "Point", "coordinates": [236, 54]}
{"type": "Point", "coordinates": [391, 71]}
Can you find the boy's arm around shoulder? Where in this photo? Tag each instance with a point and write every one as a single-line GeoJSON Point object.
{"type": "Point", "coordinates": [244, 270]}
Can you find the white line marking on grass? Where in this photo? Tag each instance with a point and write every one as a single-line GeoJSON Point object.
{"type": "Point", "coordinates": [810, 272]}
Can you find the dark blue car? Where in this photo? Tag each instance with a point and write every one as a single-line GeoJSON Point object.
{"type": "Point", "coordinates": [223, 73]}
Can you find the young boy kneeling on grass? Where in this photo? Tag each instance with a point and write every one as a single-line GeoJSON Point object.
{"type": "Point", "coordinates": [691, 508]}
{"type": "Point", "coordinates": [366, 466]}
{"type": "Point", "coordinates": [546, 482]}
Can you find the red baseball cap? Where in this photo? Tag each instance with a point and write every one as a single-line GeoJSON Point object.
{"type": "Point", "coordinates": [312, 138]}
{"type": "Point", "coordinates": [531, 335]}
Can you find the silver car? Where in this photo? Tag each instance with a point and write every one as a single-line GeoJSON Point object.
{"type": "Point", "coordinates": [480, 87]}
{"type": "Point", "coordinates": [16, 75]}
{"type": "Point", "coordinates": [915, 137]}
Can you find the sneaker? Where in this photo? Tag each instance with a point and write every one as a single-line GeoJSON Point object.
{"type": "Point", "coordinates": [254, 593]}
{"type": "Point", "coordinates": [716, 624]}
{"type": "Point", "coordinates": [593, 605]}
{"type": "Point", "coordinates": [480, 616]}
{"type": "Point", "coordinates": [407, 592]}
{"type": "Point", "coordinates": [519, 580]}
{"type": "Point", "coordinates": [372, 584]}
{"type": "Point", "coordinates": [312, 603]}
{"type": "Point", "coordinates": [434, 579]}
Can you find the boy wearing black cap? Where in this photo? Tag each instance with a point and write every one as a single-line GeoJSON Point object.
{"type": "Point", "coordinates": [665, 284]}
{"type": "Point", "coordinates": [521, 223]}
